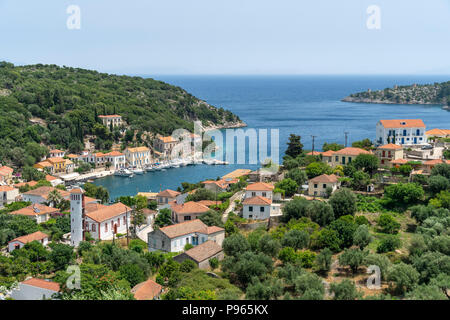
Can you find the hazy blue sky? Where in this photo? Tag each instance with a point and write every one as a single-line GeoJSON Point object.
{"type": "Point", "coordinates": [230, 36]}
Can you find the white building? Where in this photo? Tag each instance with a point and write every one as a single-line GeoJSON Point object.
{"type": "Point", "coordinates": [102, 222]}
{"type": "Point", "coordinates": [115, 120]}
{"type": "Point", "coordinates": [55, 153]}
{"type": "Point", "coordinates": [401, 132]}
{"type": "Point", "coordinates": [259, 208]}
{"type": "Point", "coordinates": [35, 289]}
{"type": "Point", "coordinates": [116, 158]}
{"type": "Point", "coordinates": [260, 189]}
{"type": "Point", "coordinates": [19, 242]}
{"type": "Point", "coordinates": [38, 212]}
{"type": "Point", "coordinates": [318, 186]}
{"type": "Point", "coordinates": [7, 195]}
{"type": "Point", "coordinates": [138, 157]}
{"type": "Point", "coordinates": [173, 238]}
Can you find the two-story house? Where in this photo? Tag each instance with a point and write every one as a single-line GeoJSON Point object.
{"type": "Point", "coordinates": [401, 132]}
{"type": "Point", "coordinates": [318, 186]}
{"type": "Point", "coordinates": [388, 152]}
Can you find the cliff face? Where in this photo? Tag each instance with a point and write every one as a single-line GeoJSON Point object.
{"type": "Point", "coordinates": [438, 93]}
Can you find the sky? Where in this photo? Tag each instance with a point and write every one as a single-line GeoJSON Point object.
{"type": "Point", "coordinates": [230, 36]}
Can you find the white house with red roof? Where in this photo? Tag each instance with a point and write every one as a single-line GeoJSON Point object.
{"type": "Point", "coordinates": [55, 153]}
{"type": "Point", "coordinates": [259, 208]}
{"type": "Point", "coordinates": [102, 222]}
{"type": "Point", "coordinates": [401, 132]}
{"type": "Point", "coordinates": [113, 119]}
{"type": "Point", "coordinates": [318, 186]}
{"type": "Point", "coordinates": [35, 289]}
{"type": "Point", "coordinates": [166, 196]}
{"type": "Point", "coordinates": [6, 174]}
{"type": "Point", "coordinates": [261, 189]}
{"type": "Point", "coordinates": [19, 242]}
{"type": "Point", "coordinates": [173, 238]}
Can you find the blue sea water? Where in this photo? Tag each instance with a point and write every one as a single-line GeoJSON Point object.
{"type": "Point", "coordinates": [304, 105]}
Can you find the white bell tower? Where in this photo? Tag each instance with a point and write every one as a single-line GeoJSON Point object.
{"type": "Point", "coordinates": [76, 216]}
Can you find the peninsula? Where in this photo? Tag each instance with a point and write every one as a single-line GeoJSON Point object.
{"type": "Point", "coordinates": [437, 93]}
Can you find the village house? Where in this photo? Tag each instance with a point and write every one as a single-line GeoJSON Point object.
{"type": "Point", "coordinates": [35, 289]}
{"type": "Point", "coordinates": [19, 242]}
{"type": "Point", "coordinates": [173, 238]}
{"type": "Point", "coordinates": [115, 120]}
{"type": "Point", "coordinates": [187, 211]}
{"type": "Point", "coordinates": [39, 212]}
{"type": "Point", "coordinates": [166, 196]}
{"type": "Point", "coordinates": [327, 157]}
{"type": "Point", "coordinates": [261, 189]}
{"type": "Point", "coordinates": [147, 290]}
{"type": "Point", "coordinates": [201, 254]}
{"type": "Point", "coordinates": [439, 133]}
{"type": "Point", "coordinates": [401, 132]}
{"type": "Point", "coordinates": [259, 208]}
{"type": "Point", "coordinates": [218, 186]}
{"type": "Point", "coordinates": [55, 153]}
{"type": "Point", "coordinates": [427, 166]}
{"type": "Point", "coordinates": [398, 162]}
{"type": "Point", "coordinates": [149, 215]}
{"type": "Point", "coordinates": [116, 158]}
{"type": "Point", "coordinates": [6, 174]}
{"type": "Point", "coordinates": [58, 165]}
{"type": "Point", "coordinates": [44, 166]}
{"type": "Point", "coordinates": [388, 152]}
{"type": "Point", "coordinates": [70, 166]}
{"type": "Point", "coordinates": [317, 186]}
{"type": "Point", "coordinates": [343, 156]}
{"type": "Point", "coordinates": [102, 222]}
{"type": "Point", "coordinates": [138, 157]}
{"type": "Point", "coordinates": [165, 145]}
{"type": "Point", "coordinates": [40, 195]}
{"type": "Point", "coordinates": [8, 195]}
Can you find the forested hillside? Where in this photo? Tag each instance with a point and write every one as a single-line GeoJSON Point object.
{"type": "Point", "coordinates": [58, 106]}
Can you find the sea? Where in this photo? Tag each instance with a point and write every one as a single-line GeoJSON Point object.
{"type": "Point", "coordinates": [309, 106]}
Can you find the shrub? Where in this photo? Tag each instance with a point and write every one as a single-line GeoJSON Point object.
{"type": "Point", "coordinates": [389, 243]}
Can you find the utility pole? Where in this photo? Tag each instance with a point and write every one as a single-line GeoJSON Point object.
{"type": "Point", "coordinates": [313, 138]}
{"type": "Point", "coordinates": [346, 138]}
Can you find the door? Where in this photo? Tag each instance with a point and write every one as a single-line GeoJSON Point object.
{"type": "Point", "coordinates": [415, 140]}
{"type": "Point", "coordinates": [403, 140]}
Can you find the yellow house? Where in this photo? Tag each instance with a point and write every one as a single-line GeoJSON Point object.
{"type": "Point", "coordinates": [44, 165]}
{"type": "Point", "coordinates": [138, 157]}
{"type": "Point", "coordinates": [59, 164]}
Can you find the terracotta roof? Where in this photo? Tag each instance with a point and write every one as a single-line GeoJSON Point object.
{"type": "Point", "coordinates": [237, 173]}
{"type": "Point", "coordinates": [110, 116]}
{"type": "Point", "coordinates": [138, 149]}
{"type": "Point", "coordinates": [438, 132]}
{"type": "Point", "coordinates": [168, 193]}
{"type": "Point", "coordinates": [6, 169]}
{"type": "Point", "coordinates": [436, 161]}
{"type": "Point", "coordinates": [351, 151]}
{"type": "Point", "coordinates": [36, 236]}
{"type": "Point", "coordinates": [260, 186]}
{"type": "Point", "coordinates": [399, 161]}
{"type": "Point", "coordinates": [403, 123]}
{"type": "Point", "coordinates": [56, 160]}
{"type": "Point", "coordinates": [147, 290]}
{"type": "Point", "coordinates": [189, 207]}
{"type": "Point", "coordinates": [56, 151]}
{"type": "Point", "coordinates": [209, 202]}
{"type": "Point", "coordinates": [35, 210]}
{"type": "Point", "coordinates": [183, 228]}
{"type": "Point", "coordinates": [44, 164]}
{"type": "Point", "coordinates": [77, 190]}
{"type": "Point", "coordinates": [213, 229]}
{"type": "Point", "coordinates": [328, 153]}
{"type": "Point", "coordinates": [93, 206]}
{"type": "Point", "coordinates": [31, 183]}
{"type": "Point", "coordinates": [108, 212]}
{"type": "Point", "coordinates": [168, 139]}
{"type": "Point", "coordinates": [72, 156]}
{"type": "Point", "coordinates": [44, 191]}
{"type": "Point", "coordinates": [114, 154]}
{"type": "Point", "coordinates": [390, 146]}
{"type": "Point", "coordinates": [41, 283]}
{"type": "Point", "coordinates": [50, 178]}
{"type": "Point", "coordinates": [204, 251]}
{"type": "Point", "coordinates": [6, 188]}
{"type": "Point", "coordinates": [261, 201]}
{"type": "Point", "coordinates": [325, 178]}
{"type": "Point", "coordinates": [223, 183]}
{"type": "Point", "coordinates": [314, 153]}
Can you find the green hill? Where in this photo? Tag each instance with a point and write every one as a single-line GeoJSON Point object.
{"type": "Point", "coordinates": [44, 105]}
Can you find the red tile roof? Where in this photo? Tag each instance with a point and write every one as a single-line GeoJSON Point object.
{"type": "Point", "coordinates": [204, 251]}
{"type": "Point", "coordinates": [6, 188]}
{"type": "Point", "coordinates": [168, 193]}
{"type": "Point", "coordinates": [147, 290]}
{"type": "Point", "coordinates": [35, 210]}
{"type": "Point", "coordinates": [390, 146]}
{"type": "Point", "coordinates": [325, 178]}
{"type": "Point", "coordinates": [351, 151]}
{"type": "Point", "coordinates": [403, 123]}
{"type": "Point", "coordinates": [183, 228]}
{"type": "Point", "coordinates": [108, 212]}
{"type": "Point", "coordinates": [189, 207]}
{"type": "Point", "coordinates": [41, 283]}
{"type": "Point", "coordinates": [36, 236]}
{"type": "Point", "coordinates": [258, 201]}
{"type": "Point", "coordinates": [260, 186]}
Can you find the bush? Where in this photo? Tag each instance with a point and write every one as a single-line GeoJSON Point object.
{"type": "Point", "coordinates": [344, 290]}
{"type": "Point", "coordinates": [213, 263]}
{"type": "Point", "coordinates": [388, 224]}
{"type": "Point", "coordinates": [187, 265]}
{"type": "Point", "coordinates": [389, 243]}
{"type": "Point", "coordinates": [343, 202]}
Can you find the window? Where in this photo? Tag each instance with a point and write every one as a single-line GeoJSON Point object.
{"type": "Point", "coordinates": [187, 218]}
{"type": "Point", "coordinates": [118, 222]}
{"type": "Point", "coordinates": [106, 227]}
{"type": "Point", "coordinates": [93, 227]}
{"type": "Point", "coordinates": [324, 185]}
{"type": "Point", "coordinates": [315, 185]}
{"type": "Point", "coordinates": [250, 209]}
{"type": "Point", "coordinates": [264, 194]}
{"type": "Point", "coordinates": [125, 220]}
{"type": "Point", "coordinates": [261, 209]}
{"type": "Point", "coordinates": [250, 216]}
{"type": "Point", "coordinates": [253, 194]}
{"type": "Point", "coordinates": [112, 225]}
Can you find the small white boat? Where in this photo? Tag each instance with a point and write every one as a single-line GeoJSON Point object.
{"type": "Point", "coordinates": [137, 171]}
{"type": "Point", "coordinates": [149, 168]}
{"type": "Point", "coordinates": [123, 173]}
